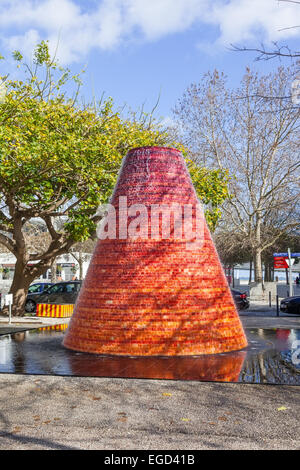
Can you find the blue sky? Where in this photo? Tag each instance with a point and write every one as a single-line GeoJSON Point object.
{"type": "Point", "coordinates": [135, 50]}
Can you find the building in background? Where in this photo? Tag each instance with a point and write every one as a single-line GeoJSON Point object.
{"type": "Point", "coordinates": [67, 267]}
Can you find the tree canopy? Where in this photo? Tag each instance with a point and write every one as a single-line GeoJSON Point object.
{"type": "Point", "coordinates": [60, 159]}
{"type": "Point", "coordinates": [253, 134]}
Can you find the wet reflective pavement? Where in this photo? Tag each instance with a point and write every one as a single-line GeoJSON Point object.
{"type": "Point", "coordinates": [273, 356]}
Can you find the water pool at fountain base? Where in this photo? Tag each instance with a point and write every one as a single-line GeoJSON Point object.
{"type": "Point", "coordinates": [272, 356]}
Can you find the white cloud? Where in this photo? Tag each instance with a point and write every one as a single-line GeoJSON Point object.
{"type": "Point", "coordinates": [26, 41]}
{"type": "Point", "coordinates": [241, 20]}
{"type": "Point", "coordinates": [156, 18]}
{"type": "Point", "coordinates": [105, 24]}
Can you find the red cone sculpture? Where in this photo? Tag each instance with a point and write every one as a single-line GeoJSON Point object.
{"type": "Point", "coordinates": [151, 293]}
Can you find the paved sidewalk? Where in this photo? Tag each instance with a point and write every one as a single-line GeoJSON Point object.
{"type": "Point", "coordinates": [260, 315]}
{"type": "Point", "coordinates": [44, 412]}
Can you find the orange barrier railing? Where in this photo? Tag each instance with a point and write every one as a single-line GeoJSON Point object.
{"type": "Point", "coordinates": [54, 310]}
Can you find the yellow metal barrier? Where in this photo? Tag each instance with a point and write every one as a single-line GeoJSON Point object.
{"type": "Point", "coordinates": [54, 310]}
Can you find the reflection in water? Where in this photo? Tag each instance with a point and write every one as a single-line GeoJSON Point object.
{"type": "Point", "coordinates": [268, 359]}
{"type": "Point", "coordinates": [221, 368]}
{"type": "Point", "coordinates": [11, 352]}
{"type": "Point", "coordinates": [276, 365]}
{"type": "Point", "coordinates": [59, 327]}
{"type": "Point", "coordinates": [19, 336]}
{"type": "Point", "coordinates": [19, 359]}
{"type": "Point", "coordinates": [271, 367]}
{"type": "Point", "coordinates": [4, 350]}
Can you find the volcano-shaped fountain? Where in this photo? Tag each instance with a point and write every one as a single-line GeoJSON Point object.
{"type": "Point", "coordinates": [150, 294]}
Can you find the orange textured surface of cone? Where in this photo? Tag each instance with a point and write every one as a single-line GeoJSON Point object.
{"type": "Point", "coordinates": [160, 295]}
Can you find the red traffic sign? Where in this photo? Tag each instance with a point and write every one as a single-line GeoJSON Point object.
{"type": "Point", "coordinates": [280, 262]}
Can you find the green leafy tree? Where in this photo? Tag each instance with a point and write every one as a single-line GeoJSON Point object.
{"type": "Point", "coordinates": [59, 160]}
{"type": "Point", "coordinates": [212, 189]}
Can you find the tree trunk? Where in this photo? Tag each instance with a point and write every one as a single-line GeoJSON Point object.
{"type": "Point", "coordinates": [23, 277]}
{"type": "Point", "coordinates": [19, 288]}
{"type": "Point", "coordinates": [287, 276]}
{"type": "Point", "coordinates": [266, 275]}
{"type": "Point", "coordinates": [268, 272]}
{"type": "Point", "coordinates": [250, 271]}
{"type": "Point", "coordinates": [257, 252]}
{"type": "Point", "coordinates": [53, 271]}
{"type": "Point", "coordinates": [80, 262]}
{"type": "Point", "coordinates": [257, 266]}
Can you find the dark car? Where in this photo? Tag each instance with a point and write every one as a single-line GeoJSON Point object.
{"type": "Point", "coordinates": [59, 293]}
{"type": "Point", "coordinates": [35, 290]}
{"type": "Point", "coordinates": [240, 299]}
{"type": "Point", "coordinates": [39, 287]}
{"type": "Point", "coordinates": [290, 305]}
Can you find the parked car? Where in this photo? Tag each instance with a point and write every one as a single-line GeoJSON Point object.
{"type": "Point", "coordinates": [59, 293]}
{"type": "Point", "coordinates": [240, 299]}
{"type": "Point", "coordinates": [39, 287]}
{"type": "Point", "coordinates": [290, 305]}
{"type": "Point", "coordinates": [33, 292]}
